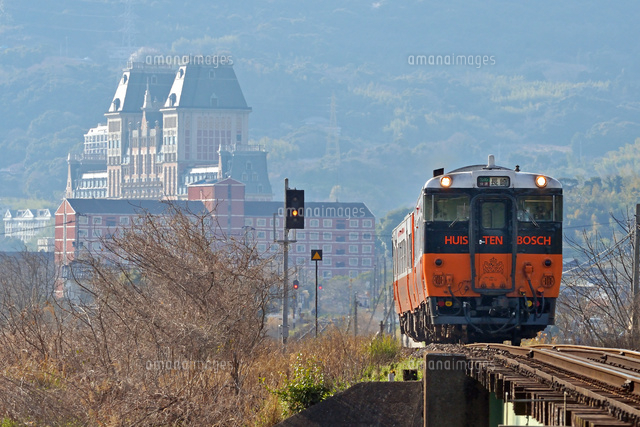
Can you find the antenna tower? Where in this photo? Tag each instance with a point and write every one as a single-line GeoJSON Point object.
{"type": "Point", "coordinates": [128, 28]}
{"type": "Point", "coordinates": [333, 136]}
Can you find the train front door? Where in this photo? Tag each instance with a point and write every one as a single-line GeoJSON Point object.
{"type": "Point", "coordinates": [492, 244]}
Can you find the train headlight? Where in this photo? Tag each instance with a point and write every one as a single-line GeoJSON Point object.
{"type": "Point", "coordinates": [445, 181]}
{"type": "Point", "coordinates": [541, 181]}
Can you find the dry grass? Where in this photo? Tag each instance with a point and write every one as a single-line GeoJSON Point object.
{"type": "Point", "coordinates": [171, 331]}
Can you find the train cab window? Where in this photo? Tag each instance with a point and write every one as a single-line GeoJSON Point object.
{"type": "Point", "coordinates": [448, 208]}
{"type": "Point", "coordinates": [536, 209]}
{"type": "Point", "coordinates": [494, 215]}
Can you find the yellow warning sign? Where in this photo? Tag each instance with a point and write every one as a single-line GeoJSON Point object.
{"type": "Point", "coordinates": [316, 255]}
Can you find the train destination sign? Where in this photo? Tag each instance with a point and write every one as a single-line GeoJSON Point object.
{"type": "Point", "coordinates": [493, 181]}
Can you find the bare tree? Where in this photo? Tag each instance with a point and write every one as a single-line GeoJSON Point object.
{"type": "Point", "coordinates": [595, 304]}
{"type": "Point", "coordinates": [173, 313]}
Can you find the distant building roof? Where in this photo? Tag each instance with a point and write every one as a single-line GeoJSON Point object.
{"type": "Point", "coordinates": [131, 206]}
{"type": "Point", "coordinates": [202, 86]}
{"type": "Point", "coordinates": [130, 94]}
{"type": "Point", "coordinates": [312, 209]}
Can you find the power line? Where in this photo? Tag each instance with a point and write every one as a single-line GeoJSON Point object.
{"type": "Point", "coordinates": [38, 228]}
{"type": "Point", "coordinates": [601, 256]}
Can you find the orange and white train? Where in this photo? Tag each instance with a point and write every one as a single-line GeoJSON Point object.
{"type": "Point", "coordinates": [480, 256]}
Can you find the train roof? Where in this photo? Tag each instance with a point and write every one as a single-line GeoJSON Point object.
{"type": "Point", "coordinates": [467, 177]}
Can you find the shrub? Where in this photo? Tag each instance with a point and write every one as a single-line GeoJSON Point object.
{"type": "Point", "coordinates": [383, 350]}
{"type": "Point", "coordinates": [307, 386]}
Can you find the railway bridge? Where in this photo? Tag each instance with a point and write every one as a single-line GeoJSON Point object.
{"type": "Point", "coordinates": [476, 385]}
{"type": "Point", "coordinates": [557, 385]}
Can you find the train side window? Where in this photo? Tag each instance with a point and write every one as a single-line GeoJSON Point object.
{"type": "Point", "coordinates": [536, 209]}
{"type": "Point", "coordinates": [451, 208]}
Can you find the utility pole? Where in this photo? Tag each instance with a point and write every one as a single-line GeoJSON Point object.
{"type": "Point", "coordinates": [285, 250]}
{"type": "Point", "coordinates": [285, 302]}
{"type": "Point", "coordinates": [355, 314]}
{"type": "Point", "coordinates": [635, 291]}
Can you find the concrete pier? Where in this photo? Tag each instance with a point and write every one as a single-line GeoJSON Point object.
{"type": "Point", "coordinates": [451, 398]}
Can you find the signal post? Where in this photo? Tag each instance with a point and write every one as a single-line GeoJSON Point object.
{"type": "Point", "coordinates": [293, 219]}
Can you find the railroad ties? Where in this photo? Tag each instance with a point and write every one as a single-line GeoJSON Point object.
{"type": "Point", "coordinates": [561, 385]}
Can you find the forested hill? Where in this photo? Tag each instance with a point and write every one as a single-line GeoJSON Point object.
{"type": "Point", "coordinates": [557, 91]}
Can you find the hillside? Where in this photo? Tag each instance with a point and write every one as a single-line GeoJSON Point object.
{"type": "Point", "coordinates": [558, 90]}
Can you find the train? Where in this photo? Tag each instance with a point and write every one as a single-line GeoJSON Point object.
{"type": "Point", "coordinates": [479, 257]}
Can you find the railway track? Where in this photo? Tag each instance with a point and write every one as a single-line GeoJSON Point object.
{"type": "Point", "coordinates": [563, 385]}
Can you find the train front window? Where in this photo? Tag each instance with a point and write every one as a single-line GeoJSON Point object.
{"type": "Point", "coordinates": [493, 215]}
{"type": "Point", "coordinates": [449, 208]}
{"type": "Point", "coordinates": [539, 209]}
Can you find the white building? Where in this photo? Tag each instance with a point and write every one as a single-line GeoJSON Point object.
{"type": "Point", "coordinates": [95, 141]}
{"type": "Point", "coordinates": [25, 224]}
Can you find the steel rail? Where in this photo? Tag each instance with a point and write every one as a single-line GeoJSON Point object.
{"type": "Point", "coordinates": [609, 358]}
{"type": "Point", "coordinates": [610, 375]}
{"type": "Point", "coordinates": [564, 347]}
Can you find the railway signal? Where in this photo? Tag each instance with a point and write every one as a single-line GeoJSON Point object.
{"type": "Point", "coordinates": [294, 209]}
{"type": "Point", "coordinates": [296, 283]}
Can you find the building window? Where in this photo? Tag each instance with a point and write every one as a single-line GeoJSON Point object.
{"type": "Point", "coordinates": [353, 262]}
{"type": "Point", "coordinates": [124, 220]}
{"type": "Point", "coordinates": [366, 236]}
{"type": "Point", "coordinates": [262, 235]}
{"type": "Point", "coordinates": [353, 223]}
{"type": "Point", "coordinates": [326, 236]}
{"type": "Point", "coordinates": [83, 220]}
{"type": "Point", "coordinates": [353, 236]}
{"type": "Point", "coordinates": [353, 249]}
{"type": "Point", "coordinates": [366, 249]}
{"type": "Point", "coordinates": [301, 260]}
{"type": "Point", "coordinates": [262, 222]}
{"type": "Point", "coordinates": [314, 223]}
{"type": "Point", "coordinates": [326, 261]}
{"type": "Point", "coordinates": [340, 225]}
{"type": "Point", "coordinates": [366, 262]}
{"type": "Point", "coordinates": [326, 249]}
{"type": "Point", "coordinates": [326, 274]}
{"type": "Point", "coordinates": [97, 220]}
{"type": "Point", "coordinates": [301, 248]}
{"type": "Point", "coordinates": [327, 223]}
{"type": "Point", "coordinates": [262, 247]}
{"type": "Point", "coordinates": [301, 235]}
{"type": "Point", "coordinates": [367, 223]}
{"type": "Point", "coordinates": [353, 274]}
{"type": "Point", "coordinates": [314, 236]}
{"type": "Point", "coordinates": [248, 222]}
{"type": "Point", "coordinates": [97, 232]}
{"type": "Point", "coordinates": [82, 233]}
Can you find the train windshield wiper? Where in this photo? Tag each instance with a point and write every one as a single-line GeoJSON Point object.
{"type": "Point", "coordinates": [456, 220]}
{"type": "Point", "coordinates": [531, 218]}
